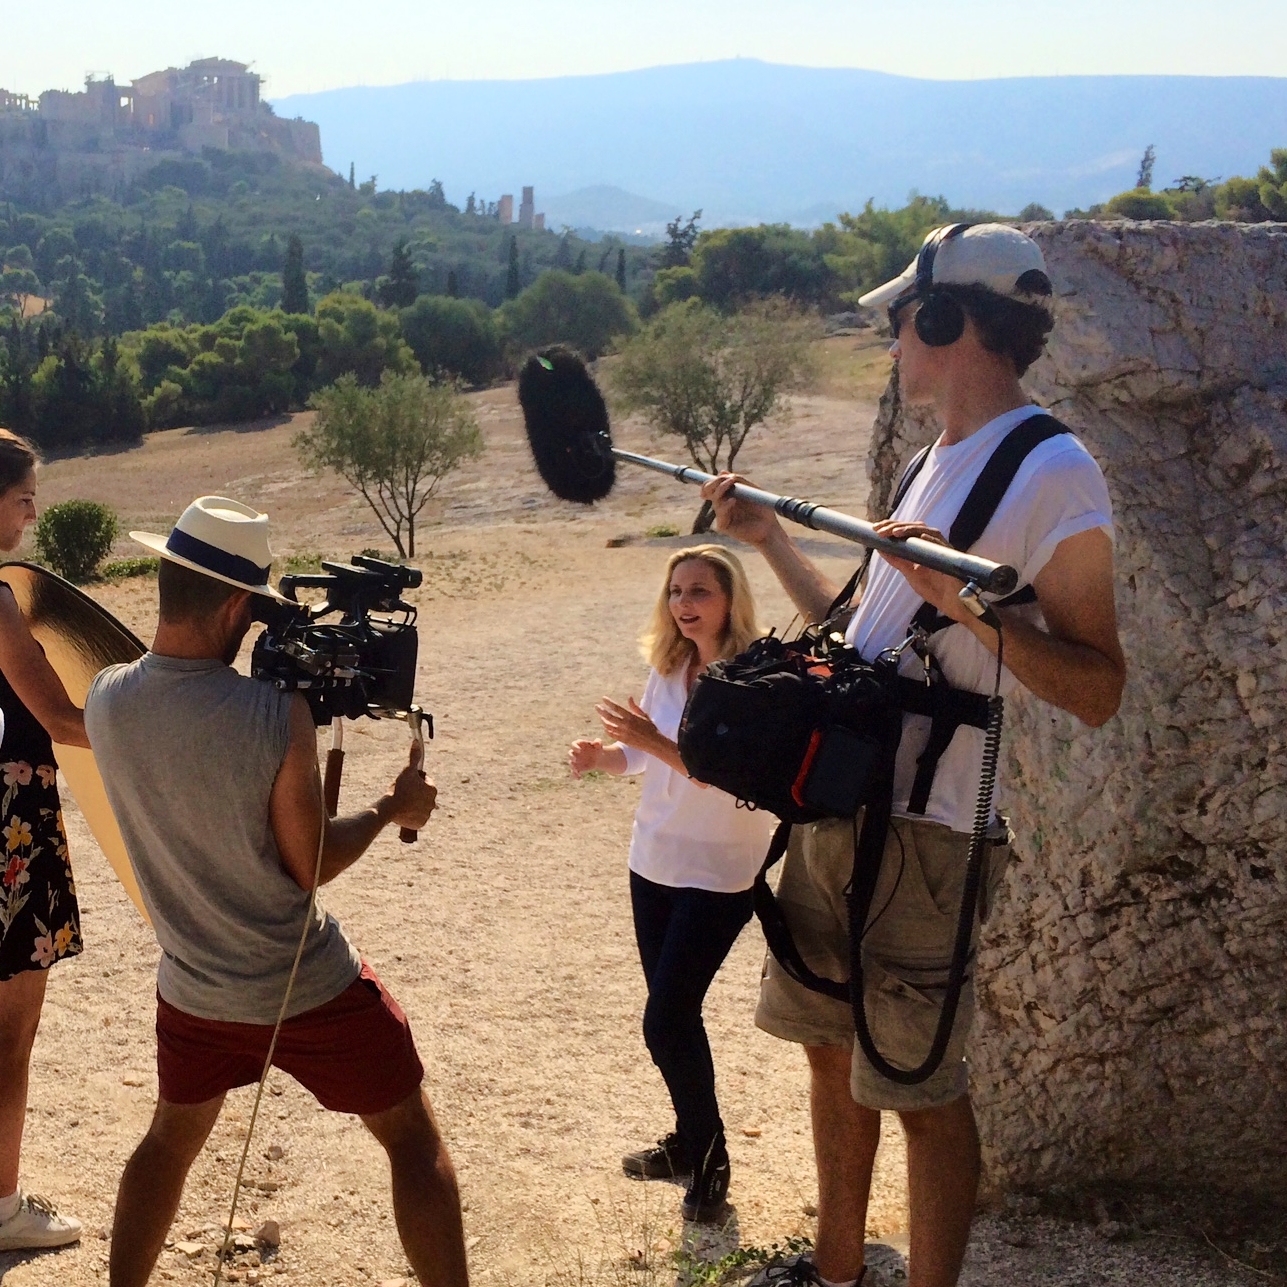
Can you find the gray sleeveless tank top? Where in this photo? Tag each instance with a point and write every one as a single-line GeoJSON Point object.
{"type": "Point", "coordinates": [188, 752]}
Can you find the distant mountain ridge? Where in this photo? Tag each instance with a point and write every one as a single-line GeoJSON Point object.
{"type": "Point", "coordinates": [750, 141]}
{"type": "Point", "coordinates": [610, 208]}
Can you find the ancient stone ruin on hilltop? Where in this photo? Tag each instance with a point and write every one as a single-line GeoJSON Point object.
{"type": "Point", "coordinates": [97, 141]}
{"type": "Point", "coordinates": [1133, 982]}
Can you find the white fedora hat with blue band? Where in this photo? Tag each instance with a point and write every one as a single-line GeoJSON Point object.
{"type": "Point", "coordinates": [221, 538]}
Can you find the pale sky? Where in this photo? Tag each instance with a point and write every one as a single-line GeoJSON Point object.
{"type": "Point", "coordinates": [305, 45]}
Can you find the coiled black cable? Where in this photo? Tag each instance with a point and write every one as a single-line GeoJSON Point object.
{"type": "Point", "coordinates": [965, 920]}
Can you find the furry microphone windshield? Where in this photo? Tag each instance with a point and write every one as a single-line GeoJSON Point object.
{"type": "Point", "coordinates": [567, 426]}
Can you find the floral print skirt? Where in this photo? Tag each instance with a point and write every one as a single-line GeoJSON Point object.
{"type": "Point", "coordinates": [39, 917]}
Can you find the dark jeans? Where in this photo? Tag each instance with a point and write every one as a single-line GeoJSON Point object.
{"type": "Point", "coordinates": [684, 936]}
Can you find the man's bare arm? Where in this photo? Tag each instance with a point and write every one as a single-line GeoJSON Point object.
{"type": "Point", "coordinates": [297, 813]}
{"type": "Point", "coordinates": [810, 591]}
{"type": "Point", "coordinates": [1076, 663]}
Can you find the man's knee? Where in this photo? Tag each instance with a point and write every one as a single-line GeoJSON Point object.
{"type": "Point", "coordinates": [955, 1118]}
{"type": "Point", "coordinates": [407, 1127]}
{"type": "Point", "coordinates": [829, 1065]}
{"type": "Point", "coordinates": [178, 1131]}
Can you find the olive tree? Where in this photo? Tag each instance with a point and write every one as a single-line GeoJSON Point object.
{"type": "Point", "coordinates": [709, 378]}
{"type": "Point", "coordinates": [395, 443]}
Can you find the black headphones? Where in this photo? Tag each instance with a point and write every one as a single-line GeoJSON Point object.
{"type": "Point", "coordinates": [940, 320]}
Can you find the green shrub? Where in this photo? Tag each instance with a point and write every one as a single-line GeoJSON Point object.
{"type": "Point", "coordinates": [304, 561]}
{"type": "Point", "coordinates": [456, 337]}
{"type": "Point", "coordinates": [674, 285]}
{"type": "Point", "coordinates": [122, 569]}
{"type": "Point", "coordinates": [164, 408]}
{"type": "Point", "coordinates": [75, 537]}
{"type": "Point", "coordinates": [1140, 203]}
{"type": "Point", "coordinates": [585, 310]}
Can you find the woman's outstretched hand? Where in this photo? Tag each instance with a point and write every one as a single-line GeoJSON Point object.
{"type": "Point", "coordinates": [585, 755]}
{"type": "Point", "coordinates": [630, 725]}
{"type": "Point", "coordinates": [627, 726]}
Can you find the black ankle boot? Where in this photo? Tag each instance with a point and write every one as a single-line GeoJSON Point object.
{"type": "Point", "coordinates": [706, 1196]}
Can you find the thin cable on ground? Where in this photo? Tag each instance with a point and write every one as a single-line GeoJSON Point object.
{"type": "Point", "coordinates": [272, 1050]}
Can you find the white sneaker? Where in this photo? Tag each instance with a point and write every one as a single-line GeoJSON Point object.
{"type": "Point", "coordinates": [38, 1224]}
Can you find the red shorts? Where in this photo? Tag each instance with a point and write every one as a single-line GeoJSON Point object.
{"type": "Point", "coordinates": [355, 1053]}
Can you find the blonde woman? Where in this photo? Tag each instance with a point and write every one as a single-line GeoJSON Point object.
{"type": "Point", "coordinates": [693, 858]}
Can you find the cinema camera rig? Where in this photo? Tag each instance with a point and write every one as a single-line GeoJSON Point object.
{"type": "Point", "coordinates": [364, 663]}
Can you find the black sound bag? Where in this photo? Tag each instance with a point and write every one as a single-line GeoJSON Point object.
{"type": "Point", "coordinates": [805, 729]}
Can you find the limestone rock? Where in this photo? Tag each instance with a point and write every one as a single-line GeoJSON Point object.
{"type": "Point", "coordinates": [1133, 982]}
{"type": "Point", "coordinates": [269, 1234]}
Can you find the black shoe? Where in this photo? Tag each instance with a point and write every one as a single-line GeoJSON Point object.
{"type": "Point", "coordinates": [794, 1271]}
{"type": "Point", "coordinates": [706, 1196]}
{"type": "Point", "coordinates": [663, 1161]}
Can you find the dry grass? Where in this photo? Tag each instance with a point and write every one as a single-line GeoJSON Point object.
{"type": "Point", "coordinates": [853, 367]}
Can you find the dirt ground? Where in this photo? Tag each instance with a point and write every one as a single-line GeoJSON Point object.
{"type": "Point", "coordinates": [505, 932]}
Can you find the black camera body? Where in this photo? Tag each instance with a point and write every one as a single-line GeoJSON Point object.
{"type": "Point", "coordinates": [364, 663]}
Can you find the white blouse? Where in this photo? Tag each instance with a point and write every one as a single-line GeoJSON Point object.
{"type": "Point", "coordinates": [686, 836]}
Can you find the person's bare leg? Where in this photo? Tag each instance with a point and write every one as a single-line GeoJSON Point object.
{"type": "Point", "coordinates": [426, 1201]}
{"type": "Point", "coordinates": [152, 1186]}
{"type": "Point", "coordinates": [20, 1000]}
{"type": "Point", "coordinates": [942, 1184]}
{"type": "Point", "coordinates": [845, 1138]}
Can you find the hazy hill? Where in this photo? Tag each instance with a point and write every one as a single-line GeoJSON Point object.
{"type": "Point", "coordinates": [605, 206]}
{"type": "Point", "coordinates": [748, 140]}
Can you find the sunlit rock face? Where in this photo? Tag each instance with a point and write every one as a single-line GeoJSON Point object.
{"type": "Point", "coordinates": [1133, 982]}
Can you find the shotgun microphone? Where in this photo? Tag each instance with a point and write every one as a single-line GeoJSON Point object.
{"type": "Point", "coordinates": [571, 441]}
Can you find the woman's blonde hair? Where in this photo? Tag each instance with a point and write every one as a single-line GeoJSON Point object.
{"type": "Point", "coordinates": [664, 648]}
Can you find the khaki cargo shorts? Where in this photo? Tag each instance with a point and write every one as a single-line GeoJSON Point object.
{"type": "Point", "coordinates": [906, 952]}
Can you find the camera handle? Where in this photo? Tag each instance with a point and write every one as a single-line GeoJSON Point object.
{"type": "Point", "coordinates": [334, 768]}
{"type": "Point", "coordinates": [416, 719]}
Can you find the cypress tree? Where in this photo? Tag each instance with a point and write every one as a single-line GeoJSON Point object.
{"type": "Point", "coordinates": [453, 287]}
{"type": "Point", "coordinates": [353, 174]}
{"type": "Point", "coordinates": [511, 278]}
{"type": "Point", "coordinates": [621, 269]}
{"type": "Point", "coordinates": [294, 282]}
{"type": "Point", "coordinates": [402, 286]}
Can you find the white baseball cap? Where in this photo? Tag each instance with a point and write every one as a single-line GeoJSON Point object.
{"type": "Point", "coordinates": [992, 255]}
{"type": "Point", "coordinates": [221, 538]}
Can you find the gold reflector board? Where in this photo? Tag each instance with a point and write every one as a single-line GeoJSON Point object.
{"type": "Point", "coordinates": [79, 638]}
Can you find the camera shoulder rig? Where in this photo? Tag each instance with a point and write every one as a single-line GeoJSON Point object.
{"type": "Point", "coordinates": [352, 654]}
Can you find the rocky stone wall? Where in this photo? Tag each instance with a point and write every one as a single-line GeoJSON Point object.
{"type": "Point", "coordinates": [1133, 984]}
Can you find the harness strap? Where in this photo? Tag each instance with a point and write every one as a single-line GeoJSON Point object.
{"type": "Point", "coordinates": [971, 522]}
{"type": "Point", "coordinates": [845, 597]}
{"type": "Point", "coordinates": [948, 708]}
{"type": "Point", "coordinates": [930, 620]}
{"type": "Point", "coordinates": [981, 504]}
{"type": "Point", "coordinates": [777, 934]}
{"type": "Point", "coordinates": [996, 476]}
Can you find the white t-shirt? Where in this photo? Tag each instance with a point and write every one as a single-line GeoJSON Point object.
{"type": "Point", "coordinates": [1058, 492]}
{"type": "Point", "coordinates": [686, 836]}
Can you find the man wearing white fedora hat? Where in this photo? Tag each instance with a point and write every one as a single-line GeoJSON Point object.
{"type": "Point", "coordinates": [969, 315]}
{"type": "Point", "coordinates": [214, 781]}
